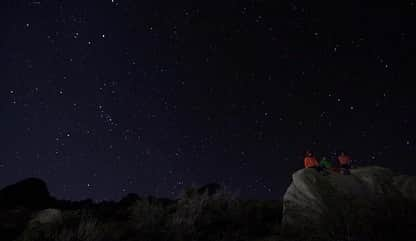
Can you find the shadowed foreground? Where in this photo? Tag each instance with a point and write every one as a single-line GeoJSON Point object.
{"type": "Point", "coordinates": [207, 213]}
{"type": "Point", "coordinates": [371, 204]}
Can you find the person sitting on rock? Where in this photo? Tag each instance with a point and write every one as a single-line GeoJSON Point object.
{"type": "Point", "coordinates": [344, 162]}
{"type": "Point", "coordinates": [310, 161]}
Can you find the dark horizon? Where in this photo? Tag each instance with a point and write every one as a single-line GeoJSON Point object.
{"type": "Point", "coordinates": [105, 98]}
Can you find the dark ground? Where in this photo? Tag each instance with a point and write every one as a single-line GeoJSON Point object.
{"type": "Point", "coordinates": [204, 214]}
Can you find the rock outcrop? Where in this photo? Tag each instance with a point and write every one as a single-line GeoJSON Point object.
{"type": "Point", "coordinates": [47, 216]}
{"type": "Point", "coordinates": [346, 205]}
{"type": "Point", "coordinates": [29, 193]}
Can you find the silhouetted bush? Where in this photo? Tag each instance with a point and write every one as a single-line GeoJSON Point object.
{"type": "Point", "coordinates": [220, 215]}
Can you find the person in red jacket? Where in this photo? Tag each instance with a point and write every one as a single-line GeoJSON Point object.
{"type": "Point", "coordinates": [310, 160]}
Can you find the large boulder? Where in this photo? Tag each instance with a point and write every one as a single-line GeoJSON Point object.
{"type": "Point", "coordinates": [29, 193]}
{"type": "Point", "coordinates": [335, 206]}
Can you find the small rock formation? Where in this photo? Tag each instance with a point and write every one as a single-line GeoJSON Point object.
{"type": "Point", "coordinates": [29, 193]}
{"type": "Point", "coordinates": [48, 216]}
{"type": "Point", "coordinates": [328, 206]}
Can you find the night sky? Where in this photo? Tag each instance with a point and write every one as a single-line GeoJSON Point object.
{"type": "Point", "coordinates": [103, 98]}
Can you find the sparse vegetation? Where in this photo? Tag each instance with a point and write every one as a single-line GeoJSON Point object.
{"type": "Point", "coordinates": [201, 214]}
{"type": "Point", "coordinates": [194, 216]}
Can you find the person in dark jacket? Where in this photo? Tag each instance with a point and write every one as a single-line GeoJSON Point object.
{"type": "Point", "coordinates": [344, 161]}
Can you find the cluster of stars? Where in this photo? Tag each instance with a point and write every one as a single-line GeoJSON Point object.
{"type": "Point", "coordinates": [126, 98]}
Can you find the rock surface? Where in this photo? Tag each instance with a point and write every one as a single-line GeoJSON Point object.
{"type": "Point", "coordinates": [314, 202]}
{"type": "Point", "coordinates": [48, 216]}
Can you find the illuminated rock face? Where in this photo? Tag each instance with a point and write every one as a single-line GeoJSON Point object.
{"type": "Point", "coordinates": [316, 204]}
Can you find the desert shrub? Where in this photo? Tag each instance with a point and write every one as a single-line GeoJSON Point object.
{"type": "Point", "coordinates": [196, 215]}
{"type": "Point", "coordinates": [221, 216]}
{"type": "Point", "coordinates": [148, 219]}
{"type": "Point", "coordinates": [76, 226]}
{"type": "Point", "coordinates": [261, 217]}
{"type": "Point", "coordinates": [147, 215]}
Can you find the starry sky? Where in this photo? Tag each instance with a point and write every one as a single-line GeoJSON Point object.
{"type": "Point", "coordinates": [101, 98]}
